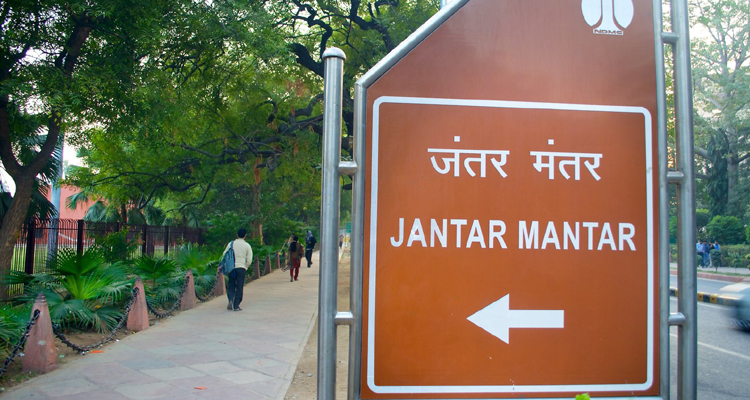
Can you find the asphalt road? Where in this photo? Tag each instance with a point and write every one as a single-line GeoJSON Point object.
{"type": "Point", "coordinates": [723, 355]}
{"type": "Point", "coordinates": [704, 285]}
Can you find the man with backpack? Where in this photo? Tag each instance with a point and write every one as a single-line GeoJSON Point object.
{"type": "Point", "coordinates": [309, 246]}
{"type": "Point", "coordinates": [243, 256]}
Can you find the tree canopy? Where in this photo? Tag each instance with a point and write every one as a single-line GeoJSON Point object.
{"type": "Point", "coordinates": [209, 113]}
{"type": "Point", "coordinates": [189, 112]}
{"type": "Point", "coordinates": [721, 77]}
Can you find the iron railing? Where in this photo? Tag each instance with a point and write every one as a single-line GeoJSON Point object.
{"type": "Point", "coordinates": [41, 239]}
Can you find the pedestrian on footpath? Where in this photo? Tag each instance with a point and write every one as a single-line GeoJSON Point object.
{"type": "Point", "coordinates": [243, 256]}
{"type": "Point", "coordinates": [295, 258]}
{"type": "Point", "coordinates": [718, 252]}
{"type": "Point", "coordinates": [309, 246]}
{"type": "Point", "coordinates": [706, 250]}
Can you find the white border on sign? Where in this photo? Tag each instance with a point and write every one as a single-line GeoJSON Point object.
{"type": "Point", "coordinates": [580, 388]}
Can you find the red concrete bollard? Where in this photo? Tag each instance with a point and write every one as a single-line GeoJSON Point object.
{"type": "Point", "coordinates": [138, 316]}
{"type": "Point", "coordinates": [188, 298]}
{"type": "Point", "coordinates": [268, 265]}
{"type": "Point", "coordinates": [40, 354]}
{"type": "Point", "coordinates": [220, 288]}
{"type": "Point", "coordinates": [256, 270]}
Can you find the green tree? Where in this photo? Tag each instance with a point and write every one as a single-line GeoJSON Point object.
{"type": "Point", "coordinates": [726, 229]}
{"type": "Point", "coordinates": [721, 76]}
{"type": "Point", "coordinates": [240, 134]}
{"type": "Point", "coordinates": [64, 66]}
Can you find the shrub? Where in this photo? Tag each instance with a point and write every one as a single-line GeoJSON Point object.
{"type": "Point", "coordinates": [82, 291]}
{"type": "Point", "coordinates": [202, 262]}
{"type": "Point", "coordinates": [735, 256]}
{"type": "Point", "coordinates": [726, 229]}
{"type": "Point", "coordinates": [116, 246]}
{"type": "Point", "coordinates": [13, 321]}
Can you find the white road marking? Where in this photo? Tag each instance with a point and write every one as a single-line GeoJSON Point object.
{"type": "Point", "coordinates": [719, 349]}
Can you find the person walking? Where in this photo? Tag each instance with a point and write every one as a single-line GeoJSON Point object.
{"type": "Point", "coordinates": [718, 253]}
{"type": "Point", "coordinates": [243, 256]}
{"type": "Point", "coordinates": [295, 258]}
{"type": "Point", "coordinates": [309, 246]}
{"type": "Point", "coordinates": [706, 250]}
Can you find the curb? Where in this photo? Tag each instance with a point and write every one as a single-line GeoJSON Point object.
{"type": "Point", "coordinates": [712, 298]}
{"type": "Point", "coordinates": [716, 277]}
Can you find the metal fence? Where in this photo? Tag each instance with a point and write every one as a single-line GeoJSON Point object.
{"type": "Point", "coordinates": [41, 239]}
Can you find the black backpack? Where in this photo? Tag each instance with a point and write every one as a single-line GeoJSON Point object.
{"type": "Point", "coordinates": [293, 247]}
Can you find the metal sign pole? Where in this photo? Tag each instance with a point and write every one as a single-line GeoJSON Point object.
{"type": "Point", "coordinates": [333, 60]}
{"type": "Point", "coordinates": [357, 246]}
{"type": "Point", "coordinates": [661, 123]}
{"type": "Point", "coordinates": [686, 319]}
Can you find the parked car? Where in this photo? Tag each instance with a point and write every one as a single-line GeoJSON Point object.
{"type": "Point", "coordinates": [741, 306]}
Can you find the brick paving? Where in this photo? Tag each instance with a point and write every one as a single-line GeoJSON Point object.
{"type": "Point", "coordinates": [251, 354]}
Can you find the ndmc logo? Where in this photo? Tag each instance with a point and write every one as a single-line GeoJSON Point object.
{"type": "Point", "coordinates": [606, 12]}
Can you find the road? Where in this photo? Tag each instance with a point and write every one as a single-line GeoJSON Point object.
{"type": "Point", "coordinates": [704, 285]}
{"type": "Point", "coordinates": [723, 354]}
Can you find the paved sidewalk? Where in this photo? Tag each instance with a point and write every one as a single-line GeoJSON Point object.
{"type": "Point", "coordinates": [250, 354]}
{"type": "Point", "coordinates": [720, 270]}
{"type": "Point", "coordinates": [719, 274]}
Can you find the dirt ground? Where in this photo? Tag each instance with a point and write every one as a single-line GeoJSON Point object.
{"type": "Point", "coordinates": [304, 385]}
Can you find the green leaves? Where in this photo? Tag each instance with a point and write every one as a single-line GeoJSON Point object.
{"type": "Point", "coordinates": [81, 290]}
{"type": "Point", "coordinates": [720, 40]}
{"type": "Point", "coordinates": [154, 270]}
{"type": "Point", "coordinates": [70, 264]}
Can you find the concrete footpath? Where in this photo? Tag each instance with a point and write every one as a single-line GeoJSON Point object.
{"type": "Point", "coordinates": [205, 353]}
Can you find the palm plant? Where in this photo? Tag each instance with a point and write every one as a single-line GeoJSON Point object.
{"type": "Point", "coordinates": [81, 290]}
{"type": "Point", "coordinates": [203, 264]}
{"type": "Point", "coordinates": [12, 323]}
{"type": "Point", "coordinates": [162, 278]}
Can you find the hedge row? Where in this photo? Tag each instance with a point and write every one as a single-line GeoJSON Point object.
{"type": "Point", "coordinates": [731, 255]}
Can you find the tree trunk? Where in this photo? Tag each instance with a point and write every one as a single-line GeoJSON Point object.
{"type": "Point", "coordinates": [732, 166]}
{"type": "Point", "coordinates": [12, 224]}
{"type": "Point", "coordinates": [257, 222]}
{"type": "Point", "coordinates": [24, 175]}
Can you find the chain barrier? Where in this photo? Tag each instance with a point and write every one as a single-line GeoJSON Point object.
{"type": "Point", "coordinates": [176, 304]}
{"type": "Point", "coordinates": [208, 296]}
{"type": "Point", "coordinates": [84, 349]}
{"type": "Point", "coordinates": [21, 342]}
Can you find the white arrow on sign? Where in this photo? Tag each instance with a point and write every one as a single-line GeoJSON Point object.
{"type": "Point", "coordinates": [497, 318]}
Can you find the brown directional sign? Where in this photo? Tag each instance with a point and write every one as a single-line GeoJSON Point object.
{"type": "Point", "coordinates": [510, 222]}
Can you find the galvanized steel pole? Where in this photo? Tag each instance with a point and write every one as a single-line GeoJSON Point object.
{"type": "Point", "coordinates": [662, 139]}
{"type": "Point", "coordinates": [687, 334]}
{"type": "Point", "coordinates": [333, 64]}
{"type": "Point", "coordinates": [356, 278]}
